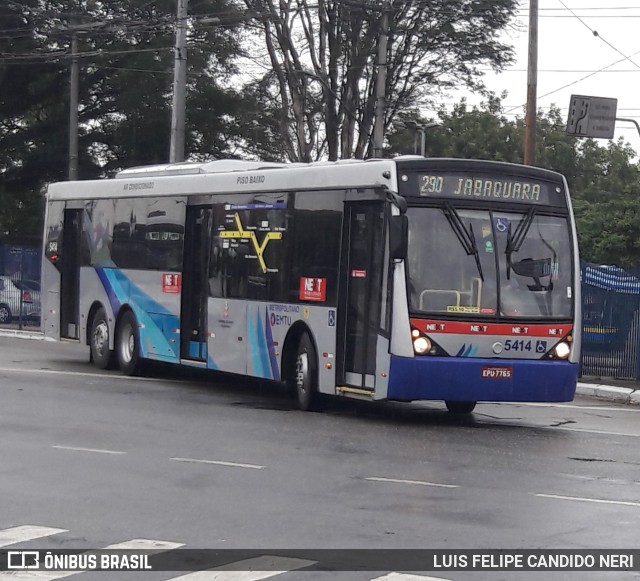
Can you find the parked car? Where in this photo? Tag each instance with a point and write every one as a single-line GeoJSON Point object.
{"type": "Point", "coordinates": [18, 294]}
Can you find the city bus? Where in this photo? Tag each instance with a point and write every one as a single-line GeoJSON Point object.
{"type": "Point", "coordinates": [386, 279]}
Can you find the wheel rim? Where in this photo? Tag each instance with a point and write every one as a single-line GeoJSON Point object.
{"type": "Point", "coordinates": [127, 344]}
{"type": "Point", "coordinates": [302, 372]}
{"type": "Point", "coordinates": [101, 338]}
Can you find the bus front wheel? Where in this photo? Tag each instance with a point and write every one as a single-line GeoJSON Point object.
{"type": "Point", "coordinates": [460, 407]}
{"type": "Point", "coordinates": [101, 355]}
{"type": "Point", "coordinates": [127, 344]}
{"type": "Point", "coordinates": [305, 377]}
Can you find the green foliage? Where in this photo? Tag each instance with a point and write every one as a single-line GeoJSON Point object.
{"type": "Point", "coordinates": [126, 73]}
{"type": "Point", "coordinates": [604, 180]}
{"type": "Point", "coordinates": [320, 92]}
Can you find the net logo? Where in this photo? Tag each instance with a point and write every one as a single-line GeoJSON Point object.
{"type": "Point", "coordinates": [313, 288]}
{"type": "Point", "coordinates": [23, 560]}
{"type": "Point", "coordinates": [171, 282]}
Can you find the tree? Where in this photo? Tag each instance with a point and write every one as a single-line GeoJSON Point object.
{"type": "Point", "coordinates": [125, 51]}
{"type": "Point", "coordinates": [323, 58]}
{"type": "Point", "coordinates": [604, 180]}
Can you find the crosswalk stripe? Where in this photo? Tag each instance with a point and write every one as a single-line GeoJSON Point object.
{"type": "Point", "coordinates": [145, 545]}
{"type": "Point", "coordinates": [407, 577]}
{"type": "Point", "coordinates": [250, 569]}
{"type": "Point", "coordinates": [25, 533]}
{"type": "Point", "coordinates": [135, 544]}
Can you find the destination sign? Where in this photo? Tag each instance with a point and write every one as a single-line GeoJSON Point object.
{"type": "Point", "coordinates": [487, 187]}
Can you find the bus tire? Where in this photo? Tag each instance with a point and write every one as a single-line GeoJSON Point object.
{"type": "Point", "coordinates": [101, 355]}
{"type": "Point", "coordinates": [460, 407]}
{"type": "Point", "coordinates": [305, 375]}
{"type": "Point", "coordinates": [128, 344]}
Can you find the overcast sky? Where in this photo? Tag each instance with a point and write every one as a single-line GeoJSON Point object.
{"type": "Point", "coordinates": [574, 60]}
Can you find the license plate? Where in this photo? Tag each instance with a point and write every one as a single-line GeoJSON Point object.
{"type": "Point", "coordinates": [496, 372]}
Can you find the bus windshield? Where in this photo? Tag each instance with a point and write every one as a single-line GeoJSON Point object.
{"type": "Point", "coordinates": [506, 264]}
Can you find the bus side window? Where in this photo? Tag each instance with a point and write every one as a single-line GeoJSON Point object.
{"type": "Point", "coordinates": [316, 235]}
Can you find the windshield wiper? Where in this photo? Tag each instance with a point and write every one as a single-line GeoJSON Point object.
{"type": "Point", "coordinates": [466, 237]}
{"type": "Point", "coordinates": [515, 241]}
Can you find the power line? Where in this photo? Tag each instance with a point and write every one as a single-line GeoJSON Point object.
{"type": "Point", "coordinates": [595, 33]}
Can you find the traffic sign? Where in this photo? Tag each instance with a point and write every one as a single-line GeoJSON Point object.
{"type": "Point", "coordinates": [592, 116]}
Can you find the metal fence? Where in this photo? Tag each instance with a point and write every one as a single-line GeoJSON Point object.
{"type": "Point", "coordinates": [20, 286]}
{"type": "Point", "coordinates": [610, 307]}
{"type": "Point", "coordinates": [610, 322]}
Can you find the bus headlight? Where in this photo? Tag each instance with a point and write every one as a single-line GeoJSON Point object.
{"type": "Point", "coordinates": [421, 345]}
{"type": "Point", "coordinates": [562, 350]}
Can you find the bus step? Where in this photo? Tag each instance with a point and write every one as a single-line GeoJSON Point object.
{"type": "Point", "coordinates": [354, 391]}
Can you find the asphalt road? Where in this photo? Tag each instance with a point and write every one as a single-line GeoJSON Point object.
{"type": "Point", "coordinates": [200, 461]}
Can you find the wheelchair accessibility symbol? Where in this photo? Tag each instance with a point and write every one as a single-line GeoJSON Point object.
{"type": "Point", "coordinates": [541, 346]}
{"type": "Point", "coordinates": [332, 318]}
{"type": "Point", "coordinates": [502, 224]}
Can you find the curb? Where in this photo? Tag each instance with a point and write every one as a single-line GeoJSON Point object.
{"type": "Point", "coordinates": [22, 334]}
{"type": "Point", "coordinates": [609, 393]}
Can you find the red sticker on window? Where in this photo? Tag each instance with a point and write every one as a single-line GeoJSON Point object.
{"type": "Point", "coordinates": [171, 282]}
{"type": "Point", "coordinates": [358, 274]}
{"type": "Point", "coordinates": [313, 289]}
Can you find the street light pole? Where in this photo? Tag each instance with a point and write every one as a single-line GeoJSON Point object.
{"type": "Point", "coordinates": [421, 130]}
{"type": "Point", "coordinates": [178, 114]}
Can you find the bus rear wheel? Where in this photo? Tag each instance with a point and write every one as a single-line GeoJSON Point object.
{"type": "Point", "coordinates": [128, 344]}
{"type": "Point", "coordinates": [101, 355]}
{"type": "Point", "coordinates": [460, 407]}
{"type": "Point", "coordinates": [305, 376]}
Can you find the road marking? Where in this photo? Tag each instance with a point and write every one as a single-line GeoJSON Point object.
{"type": "Point", "coordinates": [408, 577]}
{"type": "Point", "coordinates": [219, 463]}
{"type": "Point", "coordinates": [135, 544]}
{"type": "Point", "coordinates": [597, 500]}
{"type": "Point", "coordinates": [77, 373]}
{"type": "Point", "coordinates": [24, 533]}
{"type": "Point", "coordinates": [623, 408]}
{"type": "Point", "coordinates": [598, 432]}
{"type": "Point", "coordinates": [248, 569]}
{"type": "Point", "coordinates": [420, 482]}
{"type": "Point", "coordinates": [144, 545]}
{"type": "Point", "coordinates": [96, 450]}
{"type": "Point", "coordinates": [499, 422]}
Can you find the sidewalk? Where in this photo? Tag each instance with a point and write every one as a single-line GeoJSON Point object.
{"type": "Point", "coordinates": [614, 390]}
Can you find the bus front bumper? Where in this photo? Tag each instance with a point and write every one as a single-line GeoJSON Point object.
{"type": "Point", "coordinates": [454, 379]}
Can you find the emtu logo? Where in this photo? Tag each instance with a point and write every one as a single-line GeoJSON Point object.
{"type": "Point", "coordinates": [250, 235]}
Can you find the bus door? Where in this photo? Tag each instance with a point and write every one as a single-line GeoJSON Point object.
{"type": "Point", "coordinates": [360, 294]}
{"type": "Point", "coordinates": [193, 307]}
{"type": "Point", "coordinates": [69, 265]}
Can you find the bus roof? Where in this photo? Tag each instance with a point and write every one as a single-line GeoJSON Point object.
{"type": "Point", "coordinates": [229, 176]}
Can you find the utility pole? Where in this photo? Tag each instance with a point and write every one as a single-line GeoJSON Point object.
{"type": "Point", "coordinates": [381, 83]}
{"type": "Point", "coordinates": [532, 83]}
{"type": "Point", "coordinates": [176, 152]}
{"type": "Point", "coordinates": [74, 87]}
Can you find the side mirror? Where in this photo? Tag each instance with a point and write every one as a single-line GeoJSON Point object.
{"type": "Point", "coordinates": [398, 236]}
{"type": "Point", "coordinates": [532, 268]}
{"type": "Point", "coordinates": [535, 269]}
